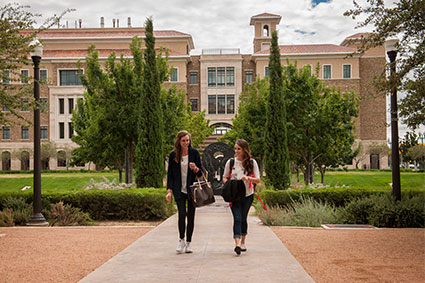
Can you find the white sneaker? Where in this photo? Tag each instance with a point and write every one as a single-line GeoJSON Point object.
{"type": "Point", "coordinates": [188, 248]}
{"type": "Point", "coordinates": [180, 246]}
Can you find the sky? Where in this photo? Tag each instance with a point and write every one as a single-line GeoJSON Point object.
{"type": "Point", "coordinates": [219, 23]}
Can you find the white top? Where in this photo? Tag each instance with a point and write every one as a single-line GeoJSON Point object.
{"type": "Point", "coordinates": [184, 164]}
{"type": "Point", "coordinates": [238, 173]}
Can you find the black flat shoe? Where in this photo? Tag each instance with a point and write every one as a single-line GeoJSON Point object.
{"type": "Point", "coordinates": [238, 250]}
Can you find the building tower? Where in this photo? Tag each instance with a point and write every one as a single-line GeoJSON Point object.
{"type": "Point", "coordinates": [264, 24]}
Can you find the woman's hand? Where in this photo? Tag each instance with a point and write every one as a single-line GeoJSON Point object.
{"type": "Point", "coordinates": [245, 178]}
{"type": "Point", "coordinates": [193, 167]}
{"type": "Point", "coordinates": [168, 196]}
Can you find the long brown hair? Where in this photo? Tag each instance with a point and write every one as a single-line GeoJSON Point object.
{"type": "Point", "coordinates": [177, 146]}
{"type": "Point", "coordinates": [246, 162]}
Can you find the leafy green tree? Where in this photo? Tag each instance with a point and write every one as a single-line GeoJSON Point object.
{"type": "Point", "coordinates": [174, 110]}
{"type": "Point", "coordinates": [320, 122]}
{"type": "Point", "coordinates": [417, 153]}
{"type": "Point", "coordinates": [336, 126]}
{"type": "Point", "coordinates": [16, 33]}
{"type": "Point", "coordinates": [410, 139]}
{"type": "Point", "coordinates": [149, 149]}
{"type": "Point", "coordinates": [197, 126]}
{"type": "Point", "coordinates": [276, 141]}
{"type": "Point", "coordinates": [249, 122]}
{"type": "Point", "coordinates": [405, 18]}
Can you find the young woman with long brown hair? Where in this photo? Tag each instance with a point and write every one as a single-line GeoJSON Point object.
{"type": "Point", "coordinates": [184, 164]}
{"type": "Point", "coordinates": [246, 169]}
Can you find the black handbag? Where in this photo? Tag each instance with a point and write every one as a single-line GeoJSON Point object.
{"type": "Point", "coordinates": [201, 192]}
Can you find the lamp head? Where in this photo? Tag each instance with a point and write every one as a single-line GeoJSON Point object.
{"type": "Point", "coordinates": [37, 48]}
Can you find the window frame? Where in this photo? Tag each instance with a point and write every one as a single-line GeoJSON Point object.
{"type": "Point", "coordinates": [23, 79]}
{"type": "Point", "coordinates": [41, 131]}
{"type": "Point", "coordinates": [68, 85]}
{"type": "Point", "coordinates": [266, 71]}
{"type": "Point", "coordinates": [3, 132]}
{"type": "Point", "coordinates": [190, 77]}
{"type": "Point", "coordinates": [61, 129]}
{"type": "Point", "coordinates": [343, 73]}
{"type": "Point", "coordinates": [46, 78]}
{"type": "Point", "coordinates": [61, 106]}
{"type": "Point", "coordinates": [176, 74]}
{"type": "Point", "coordinates": [191, 104]}
{"type": "Point", "coordinates": [330, 71]}
{"type": "Point", "coordinates": [26, 130]}
{"type": "Point", "coordinates": [246, 76]}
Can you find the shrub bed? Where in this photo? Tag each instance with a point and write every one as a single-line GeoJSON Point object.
{"type": "Point", "coordinates": [338, 197]}
{"type": "Point", "coordinates": [315, 207]}
{"type": "Point", "coordinates": [128, 204]}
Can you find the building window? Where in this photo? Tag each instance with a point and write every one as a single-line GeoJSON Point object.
{"type": "Point", "coordinates": [193, 78]}
{"type": "Point", "coordinates": [212, 102]}
{"type": "Point", "coordinates": [69, 78]}
{"type": "Point", "coordinates": [346, 71]}
{"type": "Point", "coordinates": [43, 132]}
{"type": "Point", "coordinates": [6, 77]}
{"type": "Point", "coordinates": [230, 104]}
{"type": "Point", "coordinates": [220, 76]}
{"type": "Point", "coordinates": [327, 71]}
{"type": "Point", "coordinates": [221, 104]}
{"type": "Point", "coordinates": [24, 76]}
{"type": "Point", "coordinates": [61, 130]}
{"type": "Point", "coordinates": [266, 71]}
{"type": "Point", "coordinates": [174, 76]}
{"type": "Point", "coordinates": [70, 105]}
{"type": "Point", "coordinates": [61, 156]}
{"type": "Point", "coordinates": [70, 130]}
{"type": "Point", "coordinates": [266, 31]}
{"type": "Point", "coordinates": [308, 68]}
{"type": "Point", "coordinates": [6, 132]}
{"type": "Point", "coordinates": [43, 76]}
{"type": "Point", "coordinates": [211, 77]}
{"type": "Point", "coordinates": [61, 106]}
{"type": "Point", "coordinates": [43, 104]}
{"type": "Point", "coordinates": [24, 133]}
{"type": "Point", "coordinates": [194, 104]}
{"type": "Point", "coordinates": [230, 75]}
{"type": "Point", "coordinates": [249, 76]}
{"type": "Point", "coordinates": [24, 107]}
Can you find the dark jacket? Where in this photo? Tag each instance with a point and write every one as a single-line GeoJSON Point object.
{"type": "Point", "coordinates": [174, 181]}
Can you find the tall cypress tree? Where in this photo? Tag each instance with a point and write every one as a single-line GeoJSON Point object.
{"type": "Point", "coordinates": [276, 141]}
{"type": "Point", "coordinates": [149, 155]}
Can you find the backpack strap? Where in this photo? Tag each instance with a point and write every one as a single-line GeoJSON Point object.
{"type": "Point", "coordinates": [232, 166]}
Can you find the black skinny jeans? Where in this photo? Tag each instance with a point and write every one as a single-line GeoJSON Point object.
{"type": "Point", "coordinates": [184, 212]}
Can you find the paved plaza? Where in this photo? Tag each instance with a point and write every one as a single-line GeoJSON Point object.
{"type": "Point", "coordinates": [152, 258]}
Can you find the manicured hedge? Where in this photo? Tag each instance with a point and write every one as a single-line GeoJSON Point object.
{"type": "Point", "coordinates": [336, 196]}
{"type": "Point", "coordinates": [129, 204]}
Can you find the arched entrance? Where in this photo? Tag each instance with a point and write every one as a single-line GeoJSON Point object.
{"type": "Point", "coordinates": [6, 161]}
{"type": "Point", "coordinates": [214, 159]}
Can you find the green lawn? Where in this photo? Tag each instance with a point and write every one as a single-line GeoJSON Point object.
{"type": "Point", "coordinates": [68, 182]}
{"type": "Point", "coordinates": [51, 182]}
{"type": "Point", "coordinates": [371, 179]}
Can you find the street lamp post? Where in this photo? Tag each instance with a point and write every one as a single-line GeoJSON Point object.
{"type": "Point", "coordinates": [395, 158]}
{"type": "Point", "coordinates": [37, 218]}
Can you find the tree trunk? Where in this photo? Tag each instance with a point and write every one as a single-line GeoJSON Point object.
{"type": "Point", "coordinates": [120, 175]}
{"type": "Point", "coordinates": [298, 175]}
{"type": "Point", "coordinates": [322, 174]}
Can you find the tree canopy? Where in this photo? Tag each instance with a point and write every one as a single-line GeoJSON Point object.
{"type": "Point", "coordinates": [406, 19]}
{"type": "Point", "coordinates": [17, 31]}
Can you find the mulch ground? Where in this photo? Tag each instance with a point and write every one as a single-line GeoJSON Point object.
{"type": "Point", "coordinates": [382, 255]}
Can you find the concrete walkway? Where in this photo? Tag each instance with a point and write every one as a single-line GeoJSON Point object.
{"type": "Point", "coordinates": [152, 258]}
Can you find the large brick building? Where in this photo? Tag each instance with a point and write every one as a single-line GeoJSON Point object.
{"type": "Point", "coordinates": [212, 80]}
